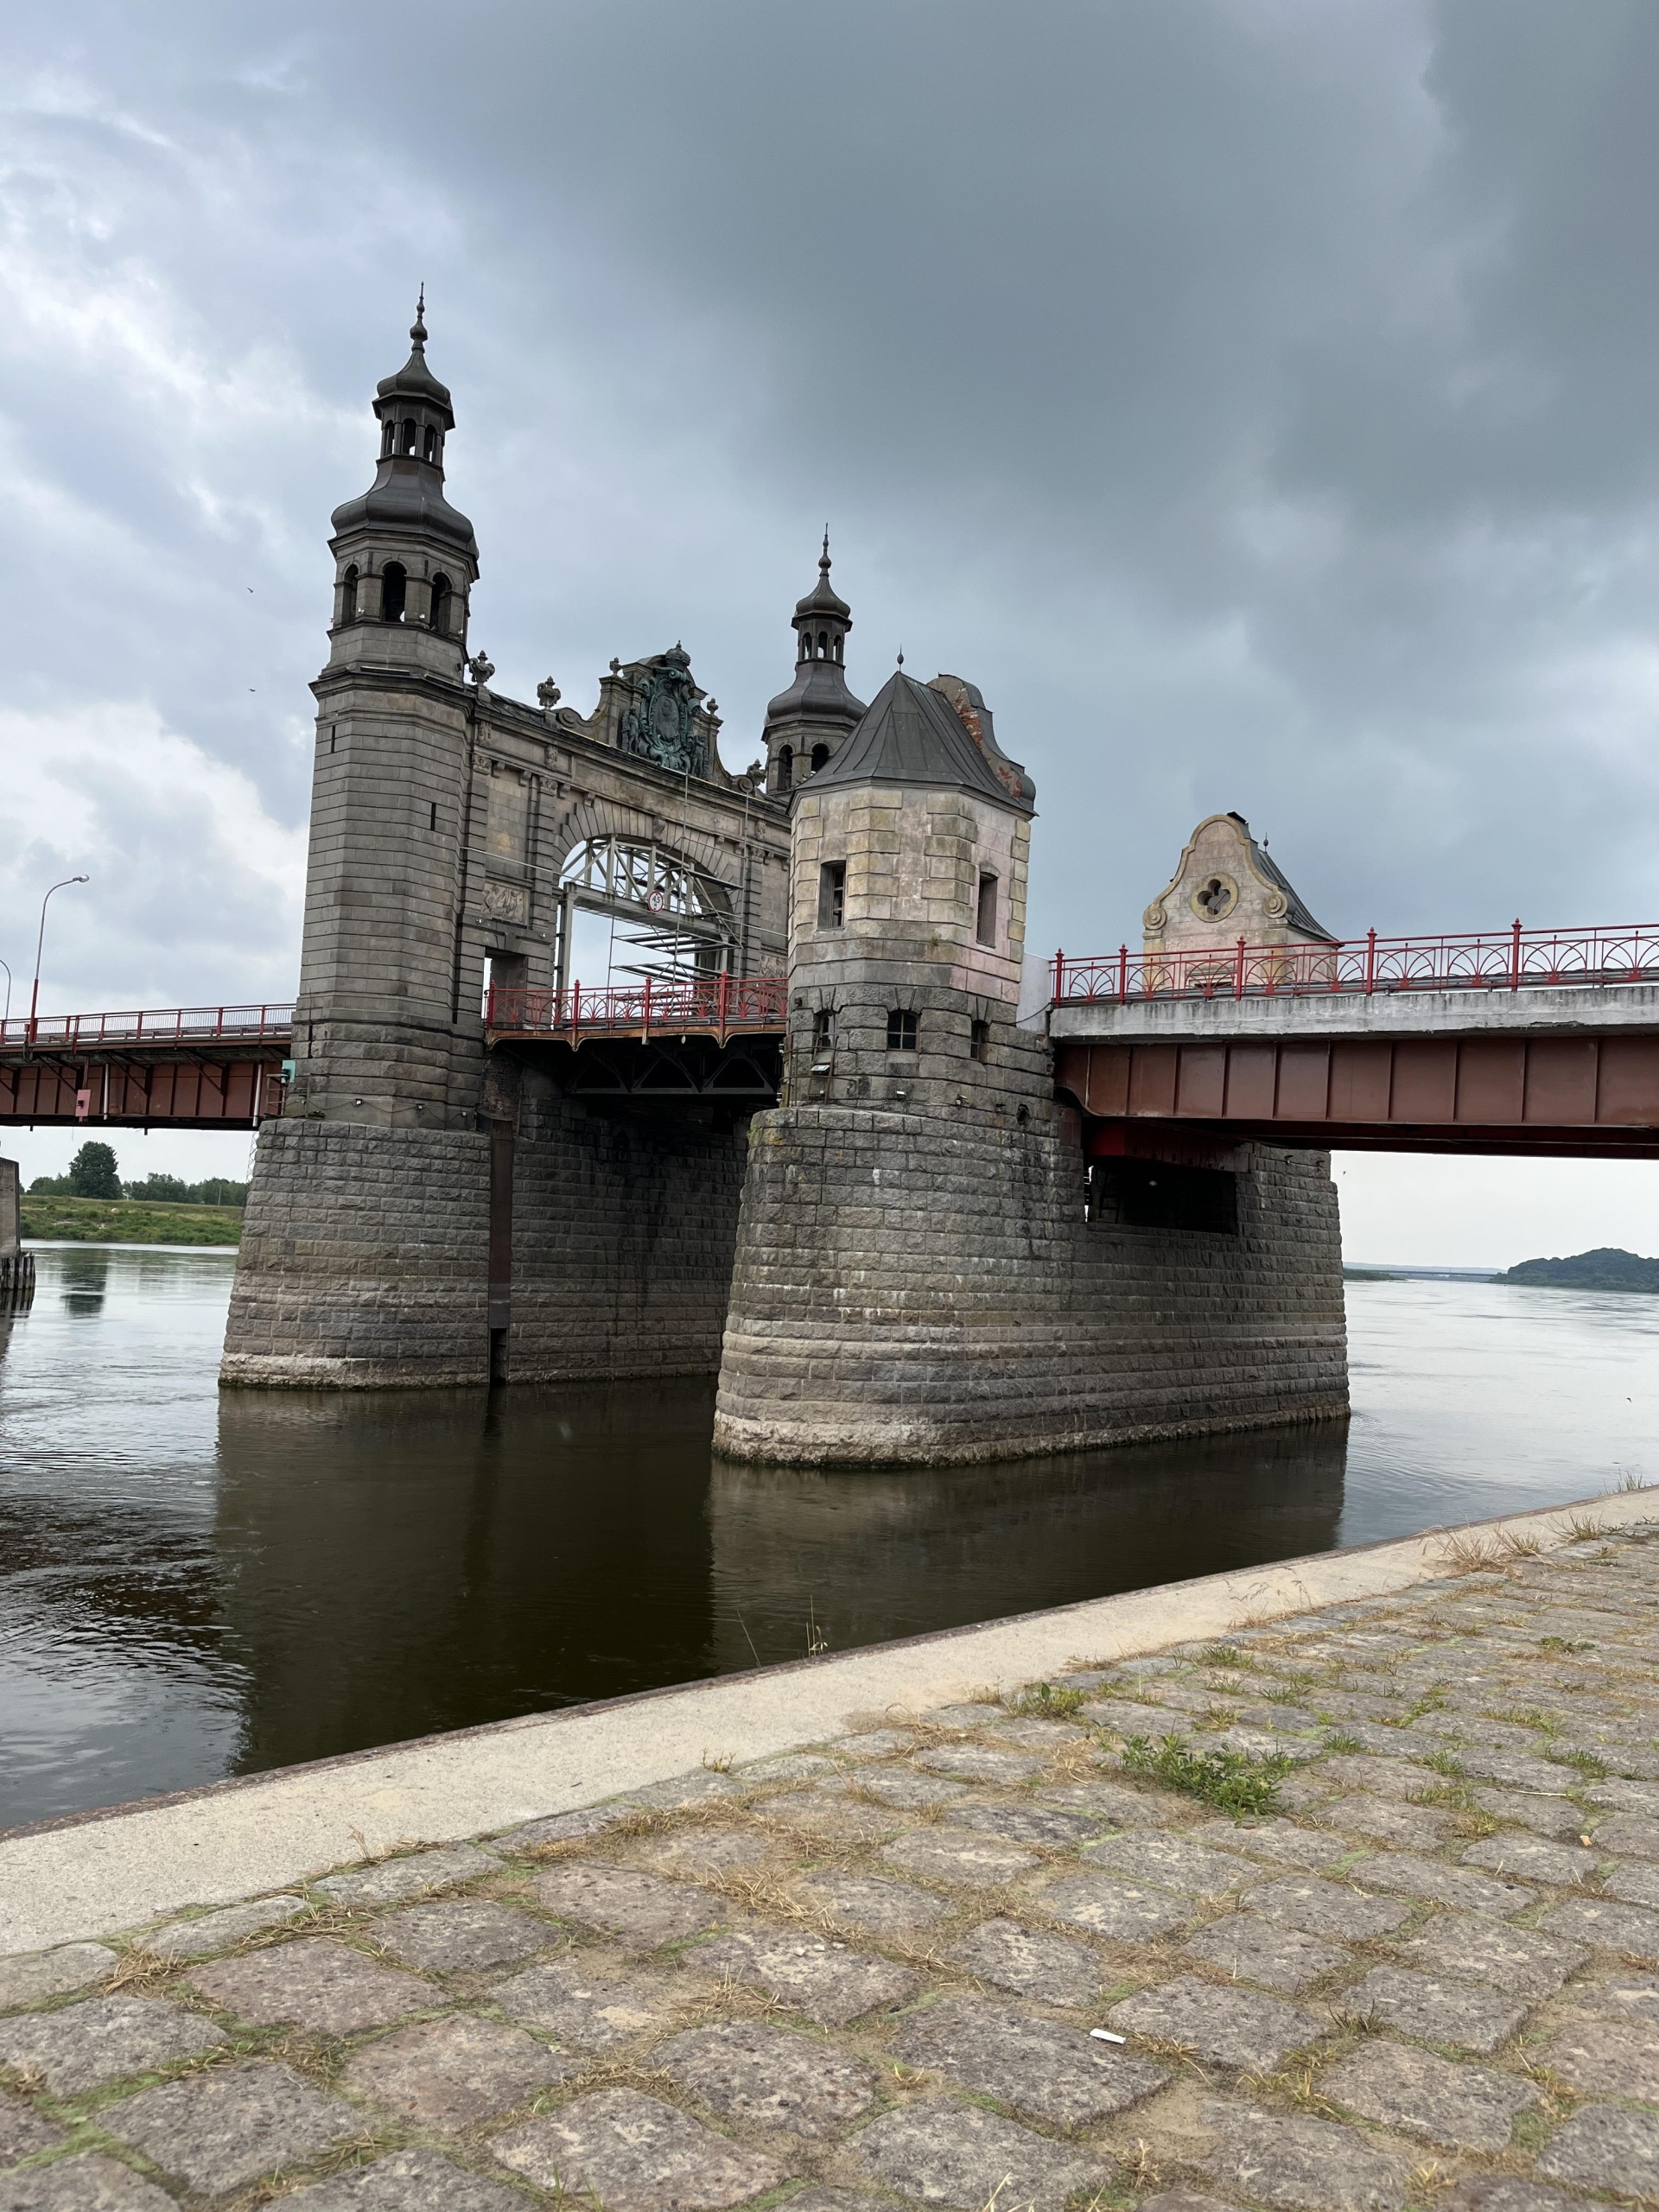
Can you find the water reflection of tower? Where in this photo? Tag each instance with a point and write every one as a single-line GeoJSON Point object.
{"type": "Point", "coordinates": [394, 1562]}
{"type": "Point", "coordinates": [84, 1277]}
{"type": "Point", "coordinates": [876, 1555]}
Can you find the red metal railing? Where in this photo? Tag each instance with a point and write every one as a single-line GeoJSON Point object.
{"type": "Point", "coordinates": [1500, 960]}
{"type": "Point", "coordinates": [725, 1005]}
{"type": "Point", "coordinates": [186, 1024]}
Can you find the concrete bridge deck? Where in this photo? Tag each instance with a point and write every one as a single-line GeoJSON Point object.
{"type": "Point", "coordinates": [850, 1925]}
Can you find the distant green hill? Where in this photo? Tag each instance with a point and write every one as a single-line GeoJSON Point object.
{"type": "Point", "coordinates": [1606, 1268]}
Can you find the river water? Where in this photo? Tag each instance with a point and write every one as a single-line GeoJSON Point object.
{"type": "Point", "coordinates": [193, 1586]}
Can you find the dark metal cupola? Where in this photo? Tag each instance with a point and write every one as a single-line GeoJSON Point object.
{"type": "Point", "coordinates": [807, 724]}
{"type": "Point", "coordinates": [404, 557]}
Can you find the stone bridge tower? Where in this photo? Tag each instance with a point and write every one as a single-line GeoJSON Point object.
{"type": "Point", "coordinates": [439, 1203]}
{"type": "Point", "coordinates": [927, 1269]}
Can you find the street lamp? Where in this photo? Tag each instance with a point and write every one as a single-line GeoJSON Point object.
{"type": "Point", "coordinates": [35, 995]}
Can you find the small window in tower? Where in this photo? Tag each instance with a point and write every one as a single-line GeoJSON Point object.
{"type": "Point", "coordinates": [839, 643]}
{"type": "Point", "coordinates": [824, 1033]}
{"type": "Point", "coordinates": [979, 1039]}
{"type": "Point", "coordinates": [389, 438]}
{"type": "Point", "coordinates": [785, 767]}
{"type": "Point", "coordinates": [824, 645]}
{"type": "Point", "coordinates": [430, 444]}
{"type": "Point", "coordinates": [432, 815]}
{"type": "Point", "coordinates": [901, 1030]}
{"type": "Point", "coordinates": [820, 755]}
{"type": "Point", "coordinates": [985, 919]}
{"type": "Point", "coordinates": [394, 590]}
{"type": "Point", "coordinates": [348, 595]}
{"type": "Point", "coordinates": [440, 617]}
{"type": "Point", "coordinates": [832, 894]}
{"type": "Point", "coordinates": [409, 434]}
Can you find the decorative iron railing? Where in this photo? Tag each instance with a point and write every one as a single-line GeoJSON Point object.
{"type": "Point", "coordinates": [724, 1006]}
{"type": "Point", "coordinates": [186, 1024]}
{"type": "Point", "coordinates": [1500, 960]}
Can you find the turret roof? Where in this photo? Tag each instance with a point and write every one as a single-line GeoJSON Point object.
{"type": "Point", "coordinates": [911, 734]}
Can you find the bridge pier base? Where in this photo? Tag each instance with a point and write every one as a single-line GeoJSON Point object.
{"type": "Point", "coordinates": [624, 1230]}
{"type": "Point", "coordinates": [364, 1260]}
{"type": "Point", "coordinates": [909, 1290]}
{"type": "Point", "coordinates": [557, 1244]}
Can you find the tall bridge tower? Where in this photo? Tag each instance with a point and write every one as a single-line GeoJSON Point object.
{"type": "Point", "coordinates": [432, 1208]}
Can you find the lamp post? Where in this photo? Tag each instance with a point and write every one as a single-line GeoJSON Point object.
{"type": "Point", "coordinates": [35, 995]}
{"type": "Point", "coordinates": [6, 1016]}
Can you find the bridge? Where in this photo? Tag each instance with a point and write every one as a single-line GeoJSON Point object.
{"type": "Point", "coordinates": [181, 1068]}
{"type": "Point", "coordinates": [1512, 1041]}
{"type": "Point", "coordinates": [1515, 1041]}
{"type": "Point", "coordinates": [802, 1139]}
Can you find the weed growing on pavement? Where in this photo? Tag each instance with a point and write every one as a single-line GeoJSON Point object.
{"type": "Point", "coordinates": [1048, 1702]}
{"type": "Point", "coordinates": [1233, 1782]}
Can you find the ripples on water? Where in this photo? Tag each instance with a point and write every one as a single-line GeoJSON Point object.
{"type": "Point", "coordinates": [192, 1585]}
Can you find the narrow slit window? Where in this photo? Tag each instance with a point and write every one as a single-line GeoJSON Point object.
{"type": "Point", "coordinates": [432, 823]}
{"type": "Point", "coordinates": [901, 1030]}
{"type": "Point", "coordinates": [824, 1033]}
{"type": "Point", "coordinates": [832, 894]}
{"type": "Point", "coordinates": [979, 1039]}
{"type": "Point", "coordinates": [985, 918]}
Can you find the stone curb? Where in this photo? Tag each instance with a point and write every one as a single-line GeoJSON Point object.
{"type": "Point", "coordinates": [70, 1880]}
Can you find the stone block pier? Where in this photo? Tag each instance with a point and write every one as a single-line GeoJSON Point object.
{"type": "Point", "coordinates": [906, 1928]}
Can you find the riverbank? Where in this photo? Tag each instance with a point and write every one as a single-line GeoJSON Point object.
{"type": "Point", "coordinates": [127, 1221]}
{"type": "Point", "coordinates": [1418, 1959]}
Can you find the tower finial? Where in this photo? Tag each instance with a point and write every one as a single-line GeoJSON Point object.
{"type": "Point", "coordinates": [823, 557]}
{"type": "Point", "coordinates": [901, 656]}
{"type": "Point", "coordinates": [417, 328]}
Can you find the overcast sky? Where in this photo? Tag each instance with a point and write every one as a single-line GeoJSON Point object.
{"type": "Point", "coordinates": [1258, 398]}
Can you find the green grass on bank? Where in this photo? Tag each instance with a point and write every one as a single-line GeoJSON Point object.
{"type": "Point", "coordinates": [127, 1221]}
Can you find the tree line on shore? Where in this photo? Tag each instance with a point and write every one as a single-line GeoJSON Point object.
{"type": "Point", "coordinates": [94, 1173]}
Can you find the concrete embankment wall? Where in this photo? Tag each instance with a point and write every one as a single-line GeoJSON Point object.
{"type": "Point", "coordinates": [918, 1287]}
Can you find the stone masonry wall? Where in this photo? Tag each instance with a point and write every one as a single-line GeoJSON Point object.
{"type": "Point", "coordinates": [364, 1259]}
{"type": "Point", "coordinates": [913, 1286]}
{"type": "Point", "coordinates": [623, 1236]}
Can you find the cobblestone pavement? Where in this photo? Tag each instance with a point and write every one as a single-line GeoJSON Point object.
{"type": "Point", "coordinates": [866, 1976]}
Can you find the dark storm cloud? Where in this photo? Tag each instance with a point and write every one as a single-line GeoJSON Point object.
{"type": "Point", "coordinates": [1256, 397]}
